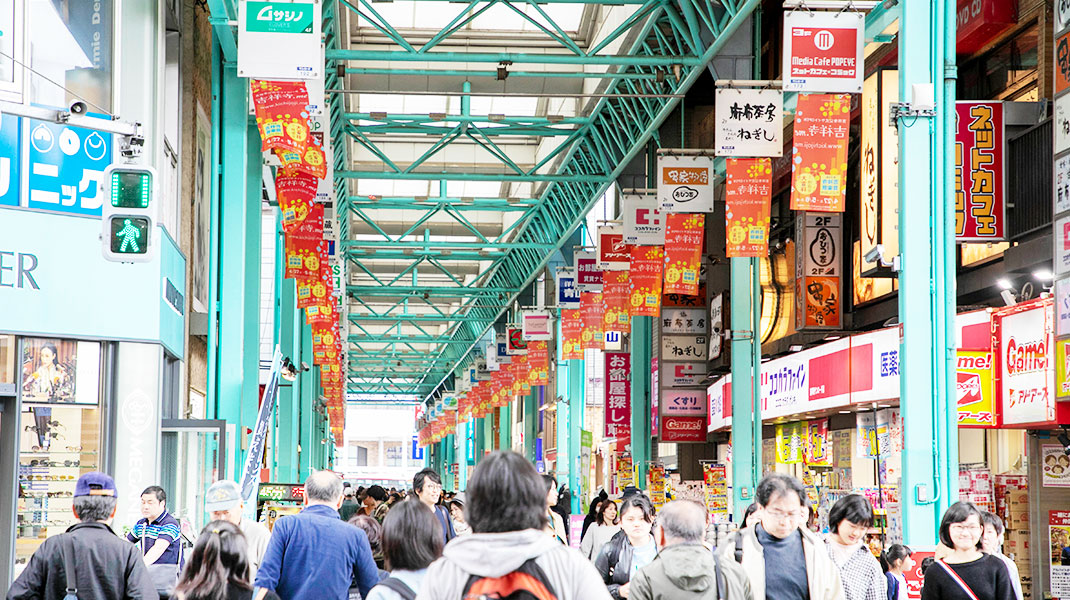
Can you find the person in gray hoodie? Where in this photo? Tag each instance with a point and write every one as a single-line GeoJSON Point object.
{"type": "Point", "coordinates": [506, 509]}
{"type": "Point", "coordinates": [686, 569]}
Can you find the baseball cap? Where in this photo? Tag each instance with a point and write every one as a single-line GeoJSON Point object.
{"type": "Point", "coordinates": [223, 495]}
{"type": "Point", "coordinates": [95, 484]}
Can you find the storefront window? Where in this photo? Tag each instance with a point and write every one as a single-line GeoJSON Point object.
{"type": "Point", "coordinates": [7, 41]}
{"type": "Point", "coordinates": [1007, 72]}
{"type": "Point", "coordinates": [59, 436]}
{"type": "Point", "coordinates": [71, 44]}
{"type": "Point", "coordinates": [7, 361]}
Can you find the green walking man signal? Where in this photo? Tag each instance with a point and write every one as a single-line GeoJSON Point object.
{"type": "Point", "coordinates": [129, 215]}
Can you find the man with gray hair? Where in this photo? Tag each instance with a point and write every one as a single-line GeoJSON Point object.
{"type": "Point", "coordinates": [686, 569]}
{"type": "Point", "coordinates": [314, 554]}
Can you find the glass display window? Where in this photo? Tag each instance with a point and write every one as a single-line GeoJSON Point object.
{"type": "Point", "coordinates": [7, 363]}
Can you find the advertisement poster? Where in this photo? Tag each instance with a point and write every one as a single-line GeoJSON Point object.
{"type": "Point", "coordinates": [591, 315]}
{"type": "Point", "coordinates": [789, 443]}
{"type": "Point", "coordinates": [980, 202]}
{"type": "Point", "coordinates": [748, 122]}
{"type": "Point", "coordinates": [584, 459]}
{"type": "Point", "coordinates": [685, 183]}
{"type": "Point", "coordinates": [572, 334]}
{"type": "Point", "coordinates": [683, 252]}
{"type": "Point", "coordinates": [818, 449]}
{"type": "Point", "coordinates": [819, 152]}
{"type": "Point", "coordinates": [823, 51]}
{"type": "Point", "coordinates": [1056, 465]}
{"type": "Point", "coordinates": [656, 483]}
{"type": "Point", "coordinates": [646, 268]}
{"type": "Point", "coordinates": [625, 474]}
{"type": "Point", "coordinates": [305, 247]}
{"type": "Point", "coordinates": [644, 224]}
{"type": "Point", "coordinates": [974, 390]}
{"type": "Point", "coordinates": [281, 109]}
{"type": "Point", "coordinates": [715, 491]}
{"type": "Point", "coordinates": [1059, 542]}
{"type": "Point", "coordinates": [618, 411]}
{"type": "Point", "coordinates": [1027, 374]}
{"type": "Point", "coordinates": [748, 193]}
{"type": "Point", "coordinates": [616, 308]}
{"type": "Point", "coordinates": [613, 252]}
{"type": "Point", "coordinates": [59, 371]}
{"type": "Point", "coordinates": [295, 192]}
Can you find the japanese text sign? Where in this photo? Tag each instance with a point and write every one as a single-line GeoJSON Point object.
{"type": "Point", "coordinates": [588, 275]}
{"type": "Point", "coordinates": [616, 289]}
{"type": "Point", "coordinates": [295, 192]}
{"type": "Point", "coordinates": [687, 374]}
{"type": "Point", "coordinates": [817, 451]}
{"type": "Point", "coordinates": [684, 235]}
{"type": "Point", "coordinates": [591, 315]}
{"type": "Point", "coordinates": [818, 302]}
{"type": "Point", "coordinates": [749, 122]}
{"type": "Point", "coordinates": [973, 389]}
{"type": "Point", "coordinates": [618, 395]}
{"type": "Point", "coordinates": [748, 194]}
{"type": "Point", "coordinates": [571, 334]}
{"type": "Point", "coordinates": [1027, 376]}
{"type": "Point", "coordinates": [64, 166]}
{"type": "Point", "coordinates": [683, 347]}
{"type": "Point", "coordinates": [1062, 63]}
{"type": "Point", "coordinates": [281, 115]}
{"type": "Point", "coordinates": [280, 40]}
{"type": "Point", "coordinates": [613, 252]}
{"type": "Point", "coordinates": [643, 222]}
{"type": "Point", "coordinates": [879, 198]}
{"type": "Point", "coordinates": [683, 429]}
{"type": "Point", "coordinates": [537, 325]}
{"type": "Point", "coordinates": [1062, 369]}
{"type": "Point", "coordinates": [819, 152]}
{"type": "Point", "coordinates": [823, 51]}
{"type": "Point", "coordinates": [645, 271]}
{"type": "Point", "coordinates": [980, 200]}
{"type": "Point", "coordinates": [685, 183]}
{"type": "Point", "coordinates": [567, 294]}
{"type": "Point", "coordinates": [683, 402]}
{"type": "Point", "coordinates": [683, 320]}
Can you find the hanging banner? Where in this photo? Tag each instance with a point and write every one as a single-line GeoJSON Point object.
{"type": "Point", "coordinates": [683, 320]}
{"type": "Point", "coordinates": [591, 315]}
{"type": "Point", "coordinates": [980, 172]}
{"type": "Point", "coordinates": [515, 343]}
{"type": "Point", "coordinates": [748, 122]}
{"type": "Point", "coordinates": [305, 247]}
{"type": "Point", "coordinates": [716, 326]}
{"type": "Point", "coordinates": [685, 183]}
{"type": "Point", "coordinates": [625, 473]}
{"type": "Point", "coordinates": [613, 253]}
{"type": "Point", "coordinates": [818, 303]}
{"type": "Point", "coordinates": [280, 40]}
{"type": "Point", "coordinates": [683, 429]}
{"type": "Point", "coordinates": [295, 193]}
{"type": "Point", "coordinates": [618, 410]}
{"type": "Point", "coordinates": [616, 288]}
{"type": "Point", "coordinates": [823, 51]}
{"type": "Point", "coordinates": [715, 491]}
{"type": "Point", "coordinates": [645, 269]}
{"type": "Point", "coordinates": [683, 252]}
{"type": "Point", "coordinates": [567, 294]}
{"type": "Point", "coordinates": [537, 325]}
{"type": "Point", "coordinates": [571, 334]}
{"type": "Point", "coordinates": [644, 224]}
{"type": "Point", "coordinates": [819, 165]}
{"type": "Point", "coordinates": [748, 196]}
{"type": "Point", "coordinates": [588, 275]}
{"type": "Point", "coordinates": [789, 443]}
{"type": "Point", "coordinates": [539, 362]}
{"type": "Point", "coordinates": [686, 374]}
{"type": "Point", "coordinates": [656, 483]}
{"type": "Point", "coordinates": [974, 389]}
{"type": "Point", "coordinates": [281, 115]}
{"type": "Point", "coordinates": [683, 347]}
{"type": "Point", "coordinates": [817, 450]}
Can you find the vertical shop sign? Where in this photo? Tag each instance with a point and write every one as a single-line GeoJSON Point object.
{"type": "Point", "coordinates": [616, 288]}
{"type": "Point", "coordinates": [280, 40]}
{"type": "Point", "coordinates": [591, 315]}
{"type": "Point", "coordinates": [789, 443]}
{"type": "Point", "coordinates": [685, 183]}
{"type": "Point", "coordinates": [571, 333]}
{"type": "Point", "coordinates": [748, 194]}
{"type": "Point", "coordinates": [655, 385]}
{"type": "Point", "coordinates": [1062, 184]}
{"type": "Point", "coordinates": [980, 203]}
{"type": "Point", "coordinates": [613, 252]}
{"type": "Point", "coordinates": [716, 326]}
{"type": "Point", "coordinates": [1058, 552]}
{"type": "Point", "coordinates": [588, 275]}
{"type": "Point", "coordinates": [679, 403]}
{"type": "Point", "coordinates": [748, 122]}
{"type": "Point", "coordinates": [823, 51]}
{"type": "Point", "coordinates": [645, 268]}
{"type": "Point", "coordinates": [1062, 307]}
{"type": "Point", "coordinates": [1062, 245]}
{"type": "Point", "coordinates": [618, 409]}
{"type": "Point", "coordinates": [644, 224]}
{"type": "Point", "coordinates": [1062, 123]}
{"type": "Point", "coordinates": [818, 449]}
{"type": "Point", "coordinates": [715, 491]}
{"type": "Point", "coordinates": [1062, 63]}
{"type": "Point", "coordinates": [818, 282]}
{"type": "Point", "coordinates": [1062, 368]}
{"type": "Point", "coordinates": [879, 198]}
{"type": "Point", "coordinates": [567, 294]}
{"type": "Point", "coordinates": [973, 389]}
{"type": "Point", "coordinates": [584, 460]}
{"type": "Point", "coordinates": [1026, 371]}
{"type": "Point", "coordinates": [819, 152]}
{"type": "Point", "coordinates": [683, 252]}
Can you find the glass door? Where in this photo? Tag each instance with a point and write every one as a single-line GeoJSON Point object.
{"type": "Point", "coordinates": [193, 455]}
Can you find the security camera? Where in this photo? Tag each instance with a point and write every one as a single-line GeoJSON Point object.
{"type": "Point", "coordinates": [78, 107]}
{"type": "Point", "coordinates": [875, 254]}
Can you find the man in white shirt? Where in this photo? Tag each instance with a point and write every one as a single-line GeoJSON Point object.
{"type": "Point", "coordinates": [992, 543]}
{"type": "Point", "coordinates": [224, 503]}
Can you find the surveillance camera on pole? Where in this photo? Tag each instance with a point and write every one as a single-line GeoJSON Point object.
{"type": "Point", "coordinates": [129, 214]}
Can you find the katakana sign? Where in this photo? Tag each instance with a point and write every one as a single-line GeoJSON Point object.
{"type": "Point", "coordinates": [823, 51]}
{"type": "Point", "coordinates": [64, 166]}
{"type": "Point", "coordinates": [980, 201]}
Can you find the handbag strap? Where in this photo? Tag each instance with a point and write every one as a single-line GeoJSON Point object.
{"type": "Point", "coordinates": [68, 566]}
{"type": "Point", "coordinates": [958, 580]}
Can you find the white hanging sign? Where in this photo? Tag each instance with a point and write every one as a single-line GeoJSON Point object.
{"type": "Point", "coordinates": [537, 326]}
{"type": "Point", "coordinates": [748, 123]}
{"type": "Point", "coordinates": [644, 224]}
{"type": "Point", "coordinates": [823, 51]}
{"type": "Point", "coordinates": [279, 40]}
{"type": "Point", "coordinates": [685, 184]}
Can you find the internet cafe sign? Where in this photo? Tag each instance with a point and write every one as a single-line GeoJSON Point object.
{"type": "Point", "coordinates": [823, 51]}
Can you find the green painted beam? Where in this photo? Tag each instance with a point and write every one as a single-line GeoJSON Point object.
{"type": "Point", "coordinates": [416, 243]}
{"type": "Point", "coordinates": [455, 176]}
{"type": "Point", "coordinates": [446, 254]}
{"type": "Point", "coordinates": [494, 73]}
{"type": "Point", "coordinates": [514, 57]}
{"type": "Point", "coordinates": [451, 291]}
{"type": "Point", "coordinates": [356, 317]}
{"type": "Point", "coordinates": [413, 339]}
{"type": "Point", "coordinates": [490, 120]}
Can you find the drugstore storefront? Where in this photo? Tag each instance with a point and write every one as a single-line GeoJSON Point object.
{"type": "Point", "coordinates": [89, 364]}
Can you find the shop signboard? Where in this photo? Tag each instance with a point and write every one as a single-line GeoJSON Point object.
{"type": "Point", "coordinates": [62, 167]}
{"type": "Point", "coordinates": [823, 51]}
{"type": "Point", "coordinates": [613, 252]}
{"type": "Point", "coordinates": [716, 326]}
{"type": "Point", "coordinates": [588, 275]}
{"type": "Point", "coordinates": [538, 325]}
{"type": "Point", "coordinates": [1062, 60]}
{"type": "Point", "coordinates": [491, 353]}
{"type": "Point", "coordinates": [1062, 14]}
{"type": "Point", "coordinates": [618, 410]}
{"type": "Point", "coordinates": [655, 385]}
{"type": "Point", "coordinates": [685, 183]}
{"type": "Point", "coordinates": [1062, 184]}
{"type": "Point", "coordinates": [1062, 307]}
{"type": "Point", "coordinates": [1062, 123]}
{"type": "Point", "coordinates": [980, 173]}
{"type": "Point", "coordinates": [1062, 368]}
{"type": "Point", "coordinates": [567, 294]}
{"type": "Point", "coordinates": [279, 40]}
{"type": "Point", "coordinates": [1025, 363]}
{"type": "Point", "coordinates": [516, 344]}
{"type": "Point", "coordinates": [974, 389]}
{"type": "Point", "coordinates": [683, 320]}
{"type": "Point", "coordinates": [644, 224]}
{"type": "Point", "coordinates": [748, 122]}
{"type": "Point", "coordinates": [1058, 547]}
{"type": "Point", "coordinates": [1062, 245]}
{"type": "Point", "coordinates": [684, 374]}
{"type": "Point", "coordinates": [879, 199]}
{"type": "Point", "coordinates": [978, 23]}
{"type": "Point", "coordinates": [683, 429]}
{"type": "Point", "coordinates": [748, 193]}
{"type": "Point", "coordinates": [818, 281]}
{"type": "Point", "coordinates": [1056, 466]}
{"type": "Point", "coordinates": [786, 386]}
{"type": "Point", "coordinates": [683, 347]}
{"type": "Point", "coordinates": [683, 403]}
{"type": "Point", "coordinates": [10, 165]}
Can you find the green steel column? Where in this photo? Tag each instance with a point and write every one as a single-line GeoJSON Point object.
{"type": "Point", "coordinates": [746, 443]}
{"type": "Point", "coordinates": [505, 427]}
{"type": "Point", "coordinates": [564, 420]}
{"type": "Point", "coordinates": [531, 413]}
{"type": "Point", "coordinates": [947, 62]}
{"type": "Point", "coordinates": [481, 443]}
{"type": "Point", "coordinates": [288, 413]}
{"type": "Point", "coordinates": [462, 454]}
{"type": "Point", "coordinates": [488, 432]}
{"type": "Point", "coordinates": [450, 447]}
{"type": "Point", "coordinates": [577, 399]}
{"type": "Point", "coordinates": [641, 340]}
{"type": "Point", "coordinates": [304, 401]}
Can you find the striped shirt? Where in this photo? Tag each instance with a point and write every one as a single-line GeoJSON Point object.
{"type": "Point", "coordinates": [165, 527]}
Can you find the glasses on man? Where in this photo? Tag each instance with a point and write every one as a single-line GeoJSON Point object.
{"type": "Point", "coordinates": [782, 515]}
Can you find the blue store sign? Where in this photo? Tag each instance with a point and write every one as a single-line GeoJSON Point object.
{"type": "Point", "coordinates": [10, 164]}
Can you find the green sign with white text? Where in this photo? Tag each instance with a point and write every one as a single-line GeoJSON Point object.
{"type": "Point", "coordinates": [279, 17]}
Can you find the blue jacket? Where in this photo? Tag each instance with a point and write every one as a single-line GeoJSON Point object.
{"type": "Point", "coordinates": [313, 555]}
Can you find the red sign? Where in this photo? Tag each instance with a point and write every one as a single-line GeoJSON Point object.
{"type": "Point", "coordinates": [281, 115]}
{"type": "Point", "coordinates": [645, 270]}
{"type": "Point", "coordinates": [305, 248]}
{"type": "Point", "coordinates": [980, 21]}
{"type": "Point", "coordinates": [539, 363]}
{"type": "Point", "coordinates": [819, 171]}
{"type": "Point", "coordinates": [296, 192]}
{"type": "Point", "coordinates": [914, 576]}
{"type": "Point", "coordinates": [618, 396]}
{"type": "Point", "coordinates": [1062, 63]}
{"type": "Point", "coordinates": [748, 193]}
{"type": "Point", "coordinates": [588, 275]}
{"type": "Point", "coordinates": [823, 51]}
{"type": "Point", "coordinates": [980, 203]}
{"type": "Point", "coordinates": [683, 429]}
{"type": "Point", "coordinates": [616, 287]}
{"type": "Point", "coordinates": [571, 334]}
{"type": "Point", "coordinates": [591, 314]}
{"type": "Point", "coordinates": [683, 252]}
{"type": "Point", "coordinates": [613, 253]}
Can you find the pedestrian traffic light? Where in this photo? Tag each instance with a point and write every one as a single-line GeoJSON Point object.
{"type": "Point", "coordinates": [129, 215]}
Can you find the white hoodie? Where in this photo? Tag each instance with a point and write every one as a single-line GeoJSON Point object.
{"type": "Point", "coordinates": [498, 554]}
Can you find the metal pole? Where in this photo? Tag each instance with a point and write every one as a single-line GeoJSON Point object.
{"type": "Point", "coordinates": [576, 402]}
{"type": "Point", "coordinates": [641, 340]}
{"type": "Point", "coordinates": [744, 441]}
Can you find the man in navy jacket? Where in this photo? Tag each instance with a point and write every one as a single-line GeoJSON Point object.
{"type": "Point", "coordinates": [314, 555]}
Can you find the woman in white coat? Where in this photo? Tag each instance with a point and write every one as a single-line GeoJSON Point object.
{"type": "Point", "coordinates": [606, 525]}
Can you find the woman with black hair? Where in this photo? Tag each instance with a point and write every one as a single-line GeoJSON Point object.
{"type": "Point", "coordinates": [412, 540]}
{"type": "Point", "coordinates": [751, 515]}
{"type": "Point", "coordinates": [965, 573]}
{"type": "Point", "coordinates": [555, 525]}
{"type": "Point", "coordinates": [218, 568]}
{"type": "Point", "coordinates": [897, 561]}
{"type": "Point", "coordinates": [861, 574]}
{"type": "Point", "coordinates": [631, 549]}
{"type": "Point", "coordinates": [592, 514]}
{"type": "Point", "coordinates": [605, 527]}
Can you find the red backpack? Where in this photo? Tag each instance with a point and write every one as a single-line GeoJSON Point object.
{"type": "Point", "coordinates": [528, 582]}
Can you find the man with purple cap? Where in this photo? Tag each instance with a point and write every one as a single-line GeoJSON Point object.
{"type": "Point", "coordinates": [88, 560]}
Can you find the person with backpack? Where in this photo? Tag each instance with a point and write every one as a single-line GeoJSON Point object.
{"type": "Point", "coordinates": [509, 556]}
{"type": "Point", "coordinates": [897, 559]}
{"type": "Point", "coordinates": [686, 569]}
{"type": "Point", "coordinates": [412, 540]}
{"type": "Point", "coordinates": [861, 574]}
{"type": "Point", "coordinates": [630, 549]}
{"type": "Point", "coordinates": [219, 567]}
{"type": "Point", "coordinates": [965, 573]}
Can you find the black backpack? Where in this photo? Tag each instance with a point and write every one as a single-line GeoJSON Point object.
{"type": "Point", "coordinates": [528, 582]}
{"type": "Point", "coordinates": [398, 586]}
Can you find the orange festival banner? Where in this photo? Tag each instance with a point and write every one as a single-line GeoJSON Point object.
{"type": "Point", "coordinates": [819, 152]}
{"type": "Point", "coordinates": [616, 287]}
{"type": "Point", "coordinates": [645, 268]}
{"type": "Point", "coordinates": [683, 252]}
{"type": "Point", "coordinates": [748, 194]}
{"type": "Point", "coordinates": [591, 337]}
{"type": "Point", "coordinates": [305, 246]}
{"type": "Point", "coordinates": [296, 193]}
{"type": "Point", "coordinates": [571, 334]}
{"type": "Point", "coordinates": [281, 109]}
{"type": "Point", "coordinates": [539, 362]}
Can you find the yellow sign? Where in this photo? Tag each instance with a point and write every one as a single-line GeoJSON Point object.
{"type": "Point", "coordinates": [974, 390]}
{"type": "Point", "coordinates": [1062, 369]}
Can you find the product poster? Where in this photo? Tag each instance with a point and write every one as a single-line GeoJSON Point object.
{"type": "Point", "coordinates": [571, 334]}
{"type": "Point", "coordinates": [685, 183]}
{"type": "Point", "coordinates": [625, 474]}
{"type": "Point", "coordinates": [655, 476]}
{"type": "Point", "coordinates": [616, 288]}
{"type": "Point", "coordinates": [539, 362]}
{"type": "Point", "coordinates": [748, 193]}
{"type": "Point", "coordinates": [1059, 540]}
{"type": "Point", "coordinates": [646, 268]}
{"type": "Point", "coordinates": [819, 152]}
{"type": "Point", "coordinates": [789, 443]}
{"type": "Point", "coordinates": [715, 491]}
{"type": "Point", "coordinates": [281, 115]}
{"type": "Point", "coordinates": [1056, 465]}
{"type": "Point", "coordinates": [49, 371]}
{"type": "Point", "coordinates": [591, 337]}
{"type": "Point", "coordinates": [818, 449]}
{"type": "Point", "coordinates": [683, 252]}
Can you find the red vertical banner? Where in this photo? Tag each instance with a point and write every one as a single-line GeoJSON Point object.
{"type": "Point", "coordinates": [592, 337]}
{"type": "Point", "coordinates": [980, 201]}
{"type": "Point", "coordinates": [304, 247]}
{"type": "Point", "coordinates": [819, 152]}
{"type": "Point", "coordinates": [618, 417]}
{"type": "Point", "coordinates": [645, 268]}
{"type": "Point", "coordinates": [683, 252]}
{"type": "Point", "coordinates": [281, 109]}
{"type": "Point", "coordinates": [748, 194]}
{"type": "Point", "coordinates": [296, 193]}
{"type": "Point", "coordinates": [571, 334]}
{"type": "Point", "coordinates": [539, 362]}
{"type": "Point", "coordinates": [616, 310]}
